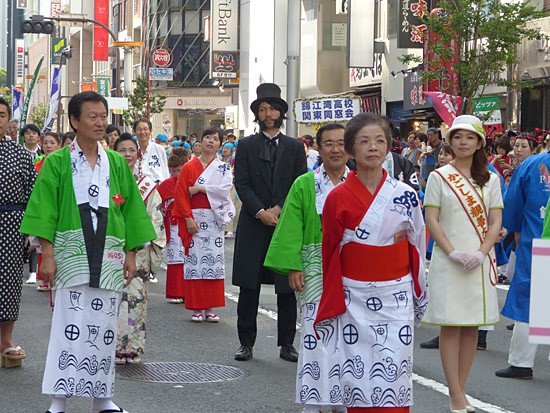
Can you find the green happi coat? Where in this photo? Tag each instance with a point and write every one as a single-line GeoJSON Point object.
{"type": "Point", "coordinates": [52, 213]}
{"type": "Point", "coordinates": [296, 243]}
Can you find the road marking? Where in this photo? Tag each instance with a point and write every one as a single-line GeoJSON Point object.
{"type": "Point", "coordinates": [423, 381]}
{"type": "Point", "coordinates": [441, 388]}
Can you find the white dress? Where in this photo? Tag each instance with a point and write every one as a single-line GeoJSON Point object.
{"type": "Point", "coordinates": [459, 298]}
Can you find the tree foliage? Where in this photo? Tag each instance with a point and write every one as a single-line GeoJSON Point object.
{"type": "Point", "coordinates": [137, 103]}
{"type": "Point", "coordinates": [486, 33]}
{"type": "Point", "coordinates": [38, 114]}
{"type": "Point", "coordinates": [3, 77]}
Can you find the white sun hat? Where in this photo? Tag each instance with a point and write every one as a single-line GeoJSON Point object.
{"type": "Point", "coordinates": [469, 123]}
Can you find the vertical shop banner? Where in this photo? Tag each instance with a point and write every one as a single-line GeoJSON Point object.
{"type": "Point", "coordinates": [411, 29]}
{"type": "Point", "coordinates": [19, 61]}
{"type": "Point", "coordinates": [58, 44]}
{"type": "Point", "coordinates": [101, 37]}
{"type": "Point", "coordinates": [487, 108]}
{"type": "Point", "coordinates": [55, 94]}
{"type": "Point", "coordinates": [361, 24]}
{"type": "Point", "coordinates": [224, 39]}
{"type": "Point", "coordinates": [448, 80]}
{"type": "Point", "coordinates": [16, 103]}
{"type": "Point", "coordinates": [103, 86]}
{"type": "Point", "coordinates": [55, 7]}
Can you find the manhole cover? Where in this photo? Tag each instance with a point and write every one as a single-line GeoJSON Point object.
{"type": "Point", "coordinates": [178, 372]}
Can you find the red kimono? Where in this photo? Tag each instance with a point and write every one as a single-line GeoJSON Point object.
{"type": "Point", "coordinates": [200, 293]}
{"type": "Point", "coordinates": [175, 283]}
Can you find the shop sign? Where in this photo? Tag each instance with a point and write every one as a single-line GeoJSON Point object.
{"type": "Point", "coordinates": [224, 39]}
{"type": "Point", "coordinates": [413, 92]}
{"type": "Point", "coordinates": [411, 28]}
{"type": "Point", "coordinates": [487, 108]}
{"type": "Point", "coordinates": [58, 44]}
{"type": "Point", "coordinates": [161, 73]}
{"type": "Point", "coordinates": [162, 57]}
{"type": "Point", "coordinates": [327, 109]}
{"type": "Point", "coordinates": [363, 76]}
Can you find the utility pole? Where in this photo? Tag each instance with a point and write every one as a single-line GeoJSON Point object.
{"type": "Point", "coordinates": [293, 62]}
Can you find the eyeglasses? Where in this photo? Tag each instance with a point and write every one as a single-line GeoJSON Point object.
{"type": "Point", "coordinates": [332, 144]}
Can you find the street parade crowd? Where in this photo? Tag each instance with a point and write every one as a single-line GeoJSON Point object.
{"type": "Point", "coordinates": [364, 235]}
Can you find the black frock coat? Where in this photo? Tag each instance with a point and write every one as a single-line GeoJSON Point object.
{"type": "Point", "coordinates": [258, 187]}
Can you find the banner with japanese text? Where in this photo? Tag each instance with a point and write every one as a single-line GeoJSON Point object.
{"type": "Point", "coordinates": [327, 109]}
{"type": "Point", "coordinates": [413, 91]}
{"type": "Point", "coordinates": [101, 37]}
{"type": "Point", "coordinates": [411, 29]}
{"type": "Point", "coordinates": [55, 95]}
{"type": "Point", "coordinates": [487, 108]}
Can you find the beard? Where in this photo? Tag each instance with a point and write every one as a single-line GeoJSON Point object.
{"type": "Point", "coordinates": [277, 124]}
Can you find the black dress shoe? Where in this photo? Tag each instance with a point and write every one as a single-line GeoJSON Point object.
{"type": "Point", "coordinates": [289, 353]}
{"type": "Point", "coordinates": [244, 353]}
{"type": "Point", "coordinates": [510, 327]}
{"type": "Point", "coordinates": [513, 372]}
{"type": "Point", "coordinates": [433, 343]}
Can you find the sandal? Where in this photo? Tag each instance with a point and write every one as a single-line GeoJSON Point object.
{"type": "Point", "coordinates": [43, 287]}
{"type": "Point", "coordinates": [212, 318]}
{"type": "Point", "coordinates": [12, 360]}
{"type": "Point", "coordinates": [133, 359]}
{"type": "Point", "coordinates": [196, 318]}
{"type": "Point", "coordinates": [120, 359]}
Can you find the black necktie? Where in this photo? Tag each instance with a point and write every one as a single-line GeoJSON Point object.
{"type": "Point", "coordinates": [272, 144]}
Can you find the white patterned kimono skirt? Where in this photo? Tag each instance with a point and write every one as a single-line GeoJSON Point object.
{"type": "Point", "coordinates": [374, 341]}
{"type": "Point", "coordinates": [81, 351]}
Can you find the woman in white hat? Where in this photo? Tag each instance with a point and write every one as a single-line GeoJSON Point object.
{"type": "Point", "coordinates": [464, 214]}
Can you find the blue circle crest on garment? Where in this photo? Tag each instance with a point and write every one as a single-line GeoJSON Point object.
{"type": "Point", "coordinates": [72, 332]}
{"type": "Point", "coordinates": [218, 242]}
{"type": "Point", "coordinates": [374, 304]}
{"type": "Point", "coordinates": [310, 342]}
{"type": "Point", "coordinates": [405, 335]}
{"type": "Point", "coordinates": [350, 333]}
{"type": "Point", "coordinates": [108, 337]}
{"type": "Point", "coordinates": [97, 304]}
{"type": "Point", "coordinates": [203, 225]}
{"type": "Point", "coordinates": [93, 191]}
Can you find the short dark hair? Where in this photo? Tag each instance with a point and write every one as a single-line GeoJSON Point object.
{"type": "Point", "coordinates": [358, 122]}
{"type": "Point", "coordinates": [76, 102]}
{"type": "Point", "coordinates": [504, 143]}
{"type": "Point", "coordinates": [125, 135]}
{"type": "Point", "coordinates": [327, 127]}
{"type": "Point", "coordinates": [178, 157]}
{"type": "Point", "coordinates": [69, 135]}
{"type": "Point", "coordinates": [140, 120]}
{"type": "Point", "coordinates": [211, 131]}
{"type": "Point", "coordinates": [112, 128]}
{"type": "Point", "coordinates": [124, 138]}
{"type": "Point", "coordinates": [30, 127]}
{"type": "Point", "coordinates": [4, 102]}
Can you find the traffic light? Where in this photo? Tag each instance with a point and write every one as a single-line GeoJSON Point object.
{"type": "Point", "coordinates": [37, 24]}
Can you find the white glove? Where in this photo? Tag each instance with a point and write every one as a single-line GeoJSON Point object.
{"type": "Point", "coordinates": [476, 259]}
{"type": "Point", "coordinates": [459, 257]}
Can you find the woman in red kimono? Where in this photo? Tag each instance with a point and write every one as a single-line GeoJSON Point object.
{"type": "Point", "coordinates": [374, 285]}
{"type": "Point", "coordinates": [203, 209]}
{"type": "Point", "coordinates": [175, 286]}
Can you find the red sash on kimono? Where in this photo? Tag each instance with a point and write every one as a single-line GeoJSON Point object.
{"type": "Point", "coordinates": [146, 186]}
{"type": "Point", "coordinates": [472, 203]}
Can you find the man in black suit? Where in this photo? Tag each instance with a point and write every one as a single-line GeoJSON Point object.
{"type": "Point", "coordinates": [266, 165]}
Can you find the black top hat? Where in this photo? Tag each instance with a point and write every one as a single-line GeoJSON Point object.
{"type": "Point", "coordinates": [268, 92]}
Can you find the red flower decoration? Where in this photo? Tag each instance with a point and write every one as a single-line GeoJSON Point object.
{"type": "Point", "coordinates": [118, 199]}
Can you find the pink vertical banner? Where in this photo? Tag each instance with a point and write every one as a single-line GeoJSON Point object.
{"type": "Point", "coordinates": [101, 37]}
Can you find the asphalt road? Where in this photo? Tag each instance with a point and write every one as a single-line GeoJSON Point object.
{"type": "Point", "coordinates": [268, 382]}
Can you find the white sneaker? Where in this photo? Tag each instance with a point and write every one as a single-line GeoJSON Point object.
{"type": "Point", "coordinates": [32, 278]}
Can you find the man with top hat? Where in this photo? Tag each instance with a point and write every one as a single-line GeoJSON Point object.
{"type": "Point", "coordinates": [266, 165]}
